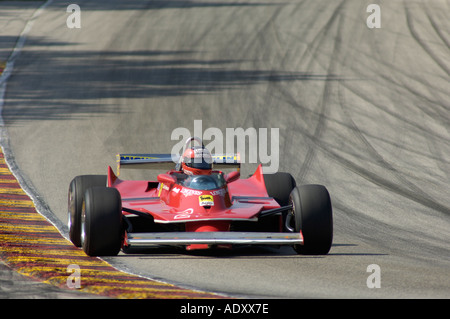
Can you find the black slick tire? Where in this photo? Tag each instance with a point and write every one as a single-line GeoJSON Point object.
{"type": "Point", "coordinates": [101, 222]}
{"type": "Point", "coordinates": [313, 216]}
{"type": "Point", "coordinates": [279, 186]}
{"type": "Point", "coordinates": [77, 189]}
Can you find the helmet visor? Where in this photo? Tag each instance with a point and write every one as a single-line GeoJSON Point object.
{"type": "Point", "coordinates": [198, 162]}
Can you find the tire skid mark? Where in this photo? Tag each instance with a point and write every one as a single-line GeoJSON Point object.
{"type": "Point", "coordinates": [32, 246]}
{"type": "Point", "coordinates": [390, 172]}
{"type": "Point", "coordinates": [394, 177]}
{"type": "Point", "coordinates": [327, 92]}
{"type": "Point", "coordinates": [436, 27]}
{"type": "Point", "coordinates": [415, 34]}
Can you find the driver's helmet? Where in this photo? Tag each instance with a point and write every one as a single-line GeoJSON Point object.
{"type": "Point", "coordinates": [197, 161]}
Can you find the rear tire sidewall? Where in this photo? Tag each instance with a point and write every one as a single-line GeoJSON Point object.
{"type": "Point", "coordinates": [77, 189]}
{"type": "Point", "coordinates": [314, 218]}
{"type": "Point", "coordinates": [101, 222]}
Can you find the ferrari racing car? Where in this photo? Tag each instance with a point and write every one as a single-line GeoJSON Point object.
{"type": "Point", "coordinates": [196, 205]}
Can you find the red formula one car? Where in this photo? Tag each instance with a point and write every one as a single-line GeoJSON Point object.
{"type": "Point", "coordinates": [197, 206]}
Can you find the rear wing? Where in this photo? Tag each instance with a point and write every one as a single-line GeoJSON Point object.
{"type": "Point", "coordinates": [166, 162]}
{"type": "Point", "coordinates": [224, 161]}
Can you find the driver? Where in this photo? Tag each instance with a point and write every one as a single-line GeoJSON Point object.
{"type": "Point", "coordinates": [197, 161]}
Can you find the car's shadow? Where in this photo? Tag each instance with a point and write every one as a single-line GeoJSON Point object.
{"type": "Point", "coordinates": [247, 252]}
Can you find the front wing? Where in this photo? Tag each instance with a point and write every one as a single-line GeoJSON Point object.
{"type": "Point", "coordinates": [213, 238]}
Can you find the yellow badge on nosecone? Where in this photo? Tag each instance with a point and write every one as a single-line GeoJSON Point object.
{"type": "Point", "coordinates": [206, 200]}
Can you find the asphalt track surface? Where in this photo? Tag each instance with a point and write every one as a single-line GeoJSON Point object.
{"type": "Point", "coordinates": [365, 112]}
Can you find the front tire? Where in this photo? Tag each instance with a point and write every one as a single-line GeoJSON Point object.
{"type": "Point", "coordinates": [77, 189]}
{"type": "Point", "coordinates": [101, 222]}
{"type": "Point", "coordinates": [312, 215]}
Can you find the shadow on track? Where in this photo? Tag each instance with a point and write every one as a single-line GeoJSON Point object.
{"type": "Point", "coordinates": [240, 252]}
{"type": "Point", "coordinates": [86, 77]}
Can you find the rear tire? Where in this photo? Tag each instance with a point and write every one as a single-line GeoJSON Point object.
{"type": "Point", "coordinates": [77, 189]}
{"type": "Point", "coordinates": [312, 215]}
{"type": "Point", "coordinates": [279, 186]}
{"type": "Point", "coordinates": [101, 222]}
